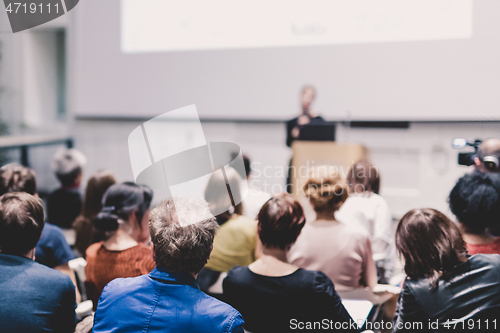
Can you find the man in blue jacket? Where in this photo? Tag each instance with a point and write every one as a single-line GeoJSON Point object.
{"type": "Point", "coordinates": [169, 299]}
{"type": "Point", "coordinates": [33, 297]}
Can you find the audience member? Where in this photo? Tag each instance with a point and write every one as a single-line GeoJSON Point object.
{"type": "Point", "coordinates": [343, 252]}
{"type": "Point", "coordinates": [34, 298]}
{"type": "Point", "coordinates": [52, 250]}
{"type": "Point", "coordinates": [254, 199]}
{"type": "Point", "coordinates": [271, 293]}
{"type": "Point", "coordinates": [125, 253]}
{"type": "Point", "coordinates": [366, 208]}
{"type": "Point", "coordinates": [488, 156]}
{"type": "Point", "coordinates": [444, 284]}
{"type": "Point", "coordinates": [236, 241]}
{"type": "Point", "coordinates": [65, 203]}
{"type": "Point", "coordinates": [168, 299]}
{"type": "Point", "coordinates": [475, 201]}
{"type": "Point", "coordinates": [86, 233]}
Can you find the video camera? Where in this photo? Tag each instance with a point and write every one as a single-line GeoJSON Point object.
{"type": "Point", "coordinates": [490, 161]}
{"type": "Point", "coordinates": [466, 158]}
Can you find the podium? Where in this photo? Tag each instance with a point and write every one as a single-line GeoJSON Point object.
{"type": "Point", "coordinates": [307, 154]}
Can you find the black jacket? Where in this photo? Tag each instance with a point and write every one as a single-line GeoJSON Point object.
{"type": "Point", "coordinates": [470, 298]}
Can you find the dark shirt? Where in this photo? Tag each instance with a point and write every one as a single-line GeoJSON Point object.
{"type": "Point", "coordinates": [271, 304]}
{"type": "Point", "coordinates": [471, 295]}
{"type": "Point", "coordinates": [52, 249]}
{"type": "Point", "coordinates": [293, 123]}
{"type": "Point", "coordinates": [34, 298]}
{"type": "Point", "coordinates": [63, 206]}
{"type": "Point", "coordinates": [162, 302]}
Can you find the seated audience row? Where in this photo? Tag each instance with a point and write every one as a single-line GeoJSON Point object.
{"type": "Point", "coordinates": [279, 267]}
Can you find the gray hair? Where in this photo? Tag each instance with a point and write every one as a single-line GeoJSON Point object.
{"type": "Point", "coordinates": [68, 165]}
{"type": "Point", "coordinates": [182, 231]}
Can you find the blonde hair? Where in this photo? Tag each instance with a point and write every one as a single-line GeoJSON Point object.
{"type": "Point", "coordinates": [325, 188]}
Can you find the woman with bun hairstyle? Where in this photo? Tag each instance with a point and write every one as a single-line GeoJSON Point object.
{"type": "Point", "coordinates": [125, 253]}
{"type": "Point", "coordinates": [343, 252]}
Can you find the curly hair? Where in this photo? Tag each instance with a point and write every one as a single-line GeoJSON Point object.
{"type": "Point", "coordinates": [475, 201]}
{"type": "Point", "coordinates": [325, 188]}
{"type": "Point", "coordinates": [182, 231]}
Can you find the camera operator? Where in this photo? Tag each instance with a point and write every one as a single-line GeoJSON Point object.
{"type": "Point", "coordinates": [488, 156]}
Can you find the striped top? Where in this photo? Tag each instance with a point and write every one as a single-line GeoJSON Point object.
{"type": "Point", "coordinates": [104, 265]}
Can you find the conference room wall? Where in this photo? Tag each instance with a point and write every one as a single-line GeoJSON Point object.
{"type": "Point", "coordinates": [417, 165]}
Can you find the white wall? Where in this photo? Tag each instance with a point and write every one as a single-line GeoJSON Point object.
{"type": "Point", "coordinates": [417, 165]}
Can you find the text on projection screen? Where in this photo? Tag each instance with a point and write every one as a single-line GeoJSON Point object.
{"type": "Point", "coordinates": [181, 25]}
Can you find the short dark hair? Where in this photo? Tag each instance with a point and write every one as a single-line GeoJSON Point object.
{"type": "Point", "coordinates": [365, 175]}
{"type": "Point", "coordinates": [280, 221]}
{"type": "Point", "coordinates": [119, 201]}
{"type": "Point", "coordinates": [17, 178]}
{"type": "Point", "coordinates": [430, 243]}
{"type": "Point", "coordinates": [475, 201]}
{"type": "Point", "coordinates": [182, 231]}
{"type": "Point", "coordinates": [21, 222]}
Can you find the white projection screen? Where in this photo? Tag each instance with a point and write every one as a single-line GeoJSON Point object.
{"type": "Point", "coordinates": [384, 60]}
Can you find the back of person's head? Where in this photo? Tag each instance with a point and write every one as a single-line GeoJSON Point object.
{"type": "Point", "coordinates": [119, 201]}
{"type": "Point", "coordinates": [363, 177]}
{"type": "Point", "coordinates": [246, 164]}
{"type": "Point", "coordinates": [182, 231]}
{"type": "Point", "coordinates": [488, 154]}
{"type": "Point", "coordinates": [216, 192]}
{"type": "Point", "coordinates": [280, 221]}
{"type": "Point", "coordinates": [325, 188]}
{"type": "Point", "coordinates": [430, 243]}
{"type": "Point", "coordinates": [475, 201]}
{"type": "Point", "coordinates": [17, 178]}
{"type": "Point", "coordinates": [21, 222]}
{"type": "Point", "coordinates": [68, 165]}
{"type": "Point", "coordinates": [97, 185]}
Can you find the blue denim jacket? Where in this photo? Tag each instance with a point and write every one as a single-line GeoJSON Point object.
{"type": "Point", "coordinates": [162, 302]}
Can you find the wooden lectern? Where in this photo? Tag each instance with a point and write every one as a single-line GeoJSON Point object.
{"type": "Point", "coordinates": [307, 154]}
